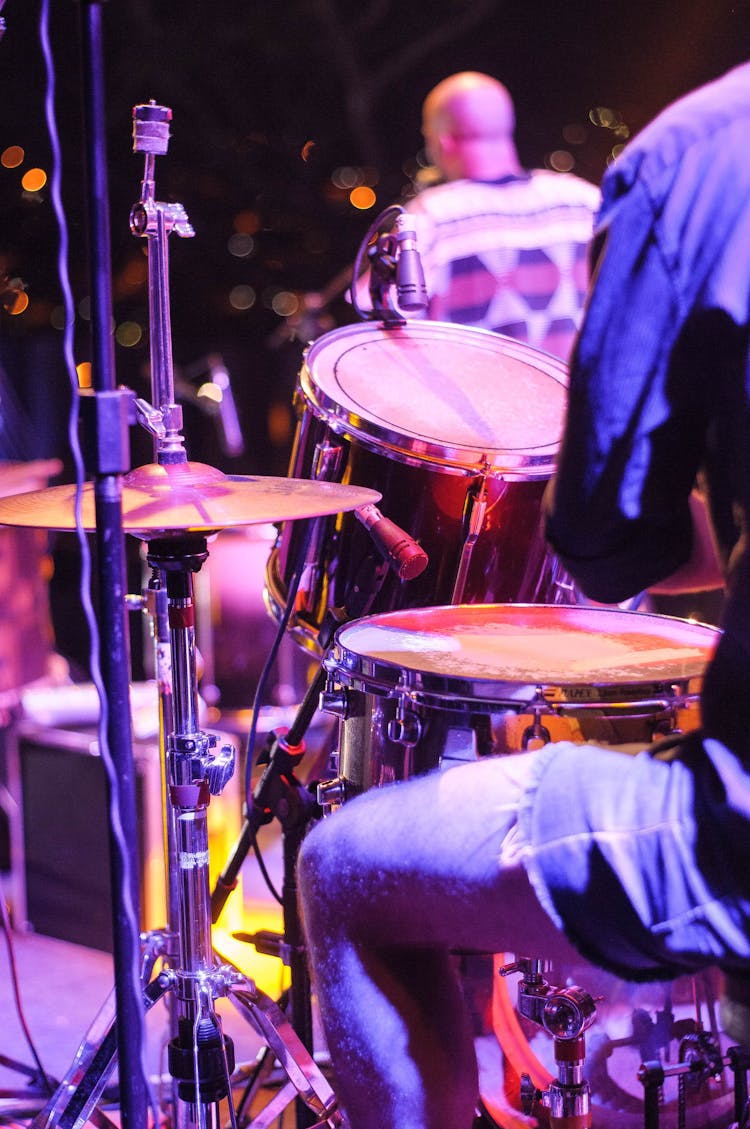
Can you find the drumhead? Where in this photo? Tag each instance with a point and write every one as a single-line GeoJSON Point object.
{"type": "Point", "coordinates": [445, 393]}
{"type": "Point", "coordinates": [513, 652]}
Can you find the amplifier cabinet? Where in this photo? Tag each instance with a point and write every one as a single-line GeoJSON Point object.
{"type": "Point", "coordinates": [60, 854]}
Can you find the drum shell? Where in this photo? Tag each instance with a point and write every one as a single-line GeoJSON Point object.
{"type": "Point", "coordinates": [510, 561]}
{"type": "Point", "coordinates": [458, 429]}
{"type": "Point", "coordinates": [462, 715]}
{"type": "Point", "coordinates": [367, 757]}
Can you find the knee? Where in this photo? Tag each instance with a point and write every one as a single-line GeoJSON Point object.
{"type": "Point", "coordinates": [318, 864]}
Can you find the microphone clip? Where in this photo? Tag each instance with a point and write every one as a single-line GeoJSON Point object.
{"type": "Point", "coordinates": [393, 264]}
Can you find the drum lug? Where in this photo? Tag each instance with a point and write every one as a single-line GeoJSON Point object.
{"type": "Point", "coordinates": [335, 702]}
{"type": "Point", "coordinates": [405, 728]}
{"type": "Point", "coordinates": [331, 794]}
{"type": "Point", "coordinates": [327, 461]}
{"type": "Point", "coordinates": [535, 735]}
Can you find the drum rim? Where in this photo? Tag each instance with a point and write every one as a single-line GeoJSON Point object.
{"type": "Point", "coordinates": [522, 462]}
{"type": "Point", "coordinates": [384, 676]}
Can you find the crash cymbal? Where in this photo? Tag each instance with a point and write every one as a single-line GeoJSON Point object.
{"type": "Point", "coordinates": [189, 497]}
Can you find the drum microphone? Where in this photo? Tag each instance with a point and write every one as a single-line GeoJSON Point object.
{"type": "Point", "coordinates": [405, 557]}
{"type": "Point", "coordinates": [411, 291]}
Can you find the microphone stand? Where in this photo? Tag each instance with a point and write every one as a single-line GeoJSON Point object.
{"type": "Point", "coordinates": [107, 412]}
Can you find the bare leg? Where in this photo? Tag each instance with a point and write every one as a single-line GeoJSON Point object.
{"type": "Point", "coordinates": [389, 885]}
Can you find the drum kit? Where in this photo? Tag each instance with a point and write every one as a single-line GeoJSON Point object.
{"type": "Point", "coordinates": [444, 631]}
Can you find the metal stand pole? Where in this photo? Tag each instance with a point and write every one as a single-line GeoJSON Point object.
{"type": "Point", "coordinates": [111, 461]}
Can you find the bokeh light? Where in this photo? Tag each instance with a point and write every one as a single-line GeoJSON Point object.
{"type": "Point", "coordinates": [12, 157]}
{"type": "Point", "coordinates": [362, 198]}
{"type": "Point", "coordinates": [133, 274]}
{"type": "Point", "coordinates": [279, 423]}
{"type": "Point", "coordinates": [34, 180]}
{"type": "Point", "coordinates": [84, 374]}
{"type": "Point", "coordinates": [128, 334]}
{"type": "Point", "coordinates": [605, 117]}
{"type": "Point", "coordinates": [561, 160]}
{"type": "Point", "coordinates": [285, 303]}
{"type": "Point", "coordinates": [242, 297]}
{"type": "Point", "coordinates": [574, 133]}
{"type": "Point", "coordinates": [19, 303]}
{"type": "Point", "coordinates": [241, 245]}
{"type": "Point", "coordinates": [346, 177]}
{"type": "Point", "coordinates": [247, 222]}
{"type": "Point", "coordinates": [210, 391]}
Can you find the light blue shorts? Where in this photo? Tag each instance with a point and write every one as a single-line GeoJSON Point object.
{"type": "Point", "coordinates": [644, 863]}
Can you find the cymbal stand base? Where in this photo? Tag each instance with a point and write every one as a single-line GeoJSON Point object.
{"type": "Point", "coordinates": [77, 1095]}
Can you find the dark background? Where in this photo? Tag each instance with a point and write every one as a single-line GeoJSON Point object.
{"type": "Point", "coordinates": [268, 101]}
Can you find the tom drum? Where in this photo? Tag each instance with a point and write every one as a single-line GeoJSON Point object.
{"type": "Point", "coordinates": [458, 429]}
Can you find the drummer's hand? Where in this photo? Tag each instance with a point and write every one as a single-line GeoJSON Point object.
{"type": "Point", "coordinates": [19, 478]}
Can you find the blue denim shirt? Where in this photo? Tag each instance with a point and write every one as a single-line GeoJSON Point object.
{"type": "Point", "coordinates": [659, 386]}
{"type": "Point", "coordinates": [659, 395]}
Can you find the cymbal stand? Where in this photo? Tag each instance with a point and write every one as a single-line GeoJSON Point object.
{"type": "Point", "coordinates": [201, 1057]}
{"type": "Point", "coordinates": [193, 770]}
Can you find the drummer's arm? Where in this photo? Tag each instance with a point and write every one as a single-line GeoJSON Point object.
{"type": "Point", "coordinates": [702, 570]}
{"type": "Point", "coordinates": [19, 478]}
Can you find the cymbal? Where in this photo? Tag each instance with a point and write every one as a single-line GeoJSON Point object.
{"type": "Point", "coordinates": [188, 497]}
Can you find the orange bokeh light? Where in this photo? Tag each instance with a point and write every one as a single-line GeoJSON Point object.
{"type": "Point", "coordinates": [34, 180]}
{"type": "Point", "coordinates": [12, 157]}
{"type": "Point", "coordinates": [247, 222]}
{"type": "Point", "coordinates": [362, 197]}
{"type": "Point", "coordinates": [19, 304]}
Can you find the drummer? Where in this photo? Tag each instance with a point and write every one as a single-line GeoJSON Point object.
{"type": "Point", "coordinates": [640, 863]}
{"type": "Point", "coordinates": [503, 247]}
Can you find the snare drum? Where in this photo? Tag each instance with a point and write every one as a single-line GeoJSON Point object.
{"type": "Point", "coordinates": [458, 429]}
{"type": "Point", "coordinates": [417, 689]}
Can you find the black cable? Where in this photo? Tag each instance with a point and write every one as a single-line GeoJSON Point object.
{"type": "Point", "coordinates": [17, 995]}
{"type": "Point", "coordinates": [264, 871]}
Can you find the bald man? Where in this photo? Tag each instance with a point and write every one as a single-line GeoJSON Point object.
{"type": "Point", "coordinates": [503, 248]}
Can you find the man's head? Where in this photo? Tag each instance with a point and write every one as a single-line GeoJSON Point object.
{"type": "Point", "coordinates": [468, 122]}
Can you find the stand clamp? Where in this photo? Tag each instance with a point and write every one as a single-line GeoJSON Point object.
{"type": "Point", "coordinates": [565, 1013]}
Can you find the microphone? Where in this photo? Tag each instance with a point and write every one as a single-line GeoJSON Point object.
{"type": "Point", "coordinates": [411, 292]}
{"type": "Point", "coordinates": [405, 557]}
